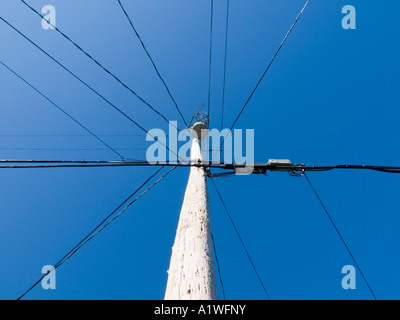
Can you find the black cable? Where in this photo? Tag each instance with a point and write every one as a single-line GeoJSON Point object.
{"type": "Point", "coordinates": [218, 268]}
{"type": "Point", "coordinates": [74, 75]}
{"type": "Point", "coordinates": [265, 72]}
{"type": "Point", "coordinates": [128, 162]}
{"type": "Point", "coordinates": [83, 82]}
{"type": "Point", "coordinates": [67, 149]}
{"type": "Point", "coordinates": [269, 65]}
{"type": "Point", "coordinates": [134, 162]}
{"type": "Point", "coordinates": [68, 135]}
{"type": "Point", "coordinates": [225, 59]}
{"type": "Point", "coordinates": [78, 166]}
{"type": "Point", "coordinates": [152, 61]}
{"type": "Point", "coordinates": [210, 62]}
{"type": "Point", "coordinates": [388, 169]}
{"type": "Point", "coordinates": [94, 164]}
{"type": "Point", "coordinates": [106, 218]}
{"type": "Point", "coordinates": [338, 232]}
{"type": "Point", "coordinates": [98, 63]}
{"type": "Point", "coordinates": [62, 110]}
{"type": "Point", "coordinates": [95, 231]}
{"type": "Point", "coordinates": [257, 168]}
{"type": "Point", "coordinates": [240, 238]}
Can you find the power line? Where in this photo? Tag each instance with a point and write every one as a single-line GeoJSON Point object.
{"type": "Point", "coordinates": [152, 61]}
{"type": "Point", "coordinates": [83, 82]}
{"type": "Point", "coordinates": [265, 72]}
{"type": "Point", "coordinates": [66, 149]}
{"type": "Point", "coordinates": [41, 164]}
{"type": "Point", "coordinates": [269, 65]}
{"type": "Point", "coordinates": [62, 110]}
{"type": "Point", "coordinates": [341, 237]}
{"type": "Point", "coordinates": [258, 168]}
{"type": "Point", "coordinates": [126, 164]}
{"type": "Point", "coordinates": [225, 59]}
{"type": "Point", "coordinates": [68, 135]}
{"type": "Point", "coordinates": [74, 75]}
{"type": "Point", "coordinates": [102, 225]}
{"type": "Point", "coordinates": [218, 268]}
{"type": "Point", "coordinates": [210, 62]}
{"type": "Point", "coordinates": [387, 169]}
{"type": "Point", "coordinates": [98, 63]}
{"type": "Point", "coordinates": [106, 218]}
{"type": "Point", "coordinates": [240, 238]}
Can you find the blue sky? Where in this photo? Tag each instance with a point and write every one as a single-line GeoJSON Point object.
{"type": "Point", "coordinates": [329, 98]}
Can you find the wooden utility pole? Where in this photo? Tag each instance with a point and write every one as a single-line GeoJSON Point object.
{"type": "Point", "coordinates": [191, 275]}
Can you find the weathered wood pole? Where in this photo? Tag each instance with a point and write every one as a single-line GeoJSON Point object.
{"type": "Point", "coordinates": [191, 275]}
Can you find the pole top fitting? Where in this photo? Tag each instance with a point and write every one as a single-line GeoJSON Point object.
{"type": "Point", "coordinates": [199, 130]}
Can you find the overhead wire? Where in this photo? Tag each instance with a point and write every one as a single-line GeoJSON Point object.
{"type": "Point", "coordinates": [258, 168]}
{"type": "Point", "coordinates": [98, 63]}
{"type": "Point", "coordinates": [101, 226]}
{"type": "Point", "coordinates": [83, 82]}
{"type": "Point", "coordinates": [388, 169]}
{"type": "Point", "coordinates": [225, 61]}
{"type": "Point", "coordinates": [92, 165]}
{"type": "Point", "coordinates": [265, 72]}
{"type": "Point", "coordinates": [340, 235]}
{"type": "Point", "coordinates": [269, 65]}
{"type": "Point", "coordinates": [210, 60]}
{"type": "Point", "coordinates": [68, 135]}
{"type": "Point", "coordinates": [218, 268]}
{"type": "Point", "coordinates": [65, 149]}
{"type": "Point", "coordinates": [62, 110]}
{"type": "Point", "coordinates": [152, 62]}
{"type": "Point", "coordinates": [240, 239]}
{"type": "Point", "coordinates": [73, 74]}
{"type": "Point", "coordinates": [107, 217]}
